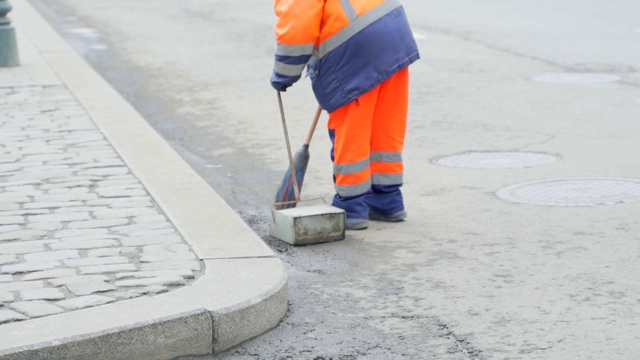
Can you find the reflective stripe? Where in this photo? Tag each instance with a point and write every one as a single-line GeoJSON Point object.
{"type": "Point", "coordinates": [387, 157]}
{"type": "Point", "coordinates": [357, 25]}
{"type": "Point", "coordinates": [353, 190]}
{"type": "Point", "coordinates": [386, 179]}
{"type": "Point", "coordinates": [352, 14]}
{"type": "Point", "coordinates": [288, 70]}
{"type": "Point", "coordinates": [294, 50]}
{"type": "Point", "coordinates": [353, 168]}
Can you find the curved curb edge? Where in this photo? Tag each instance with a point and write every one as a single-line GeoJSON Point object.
{"type": "Point", "coordinates": [198, 321]}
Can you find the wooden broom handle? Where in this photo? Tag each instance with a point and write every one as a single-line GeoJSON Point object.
{"type": "Point", "coordinates": [313, 126]}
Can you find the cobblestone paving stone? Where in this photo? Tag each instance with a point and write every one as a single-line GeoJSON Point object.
{"type": "Point", "coordinates": [77, 228]}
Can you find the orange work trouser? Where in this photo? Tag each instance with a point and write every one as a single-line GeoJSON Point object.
{"type": "Point", "coordinates": [368, 137]}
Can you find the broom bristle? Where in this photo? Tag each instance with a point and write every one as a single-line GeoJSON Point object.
{"type": "Point", "coordinates": [286, 192]}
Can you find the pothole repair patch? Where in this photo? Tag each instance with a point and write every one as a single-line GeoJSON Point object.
{"type": "Point", "coordinates": [576, 78]}
{"type": "Point", "coordinates": [496, 160]}
{"type": "Point", "coordinates": [573, 192]}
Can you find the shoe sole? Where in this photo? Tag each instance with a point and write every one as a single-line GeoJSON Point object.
{"type": "Point", "coordinates": [391, 218]}
{"type": "Point", "coordinates": [357, 226]}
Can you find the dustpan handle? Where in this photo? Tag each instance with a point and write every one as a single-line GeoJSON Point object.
{"type": "Point", "coordinates": [296, 189]}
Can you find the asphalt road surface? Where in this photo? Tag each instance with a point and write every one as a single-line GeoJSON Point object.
{"type": "Point", "coordinates": [467, 276]}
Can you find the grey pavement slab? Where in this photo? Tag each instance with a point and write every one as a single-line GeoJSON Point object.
{"type": "Point", "coordinates": [10, 315]}
{"type": "Point", "coordinates": [34, 309]}
{"type": "Point", "coordinates": [105, 233]}
{"type": "Point", "coordinates": [41, 294]}
{"type": "Point", "coordinates": [91, 287]}
{"type": "Point", "coordinates": [6, 297]}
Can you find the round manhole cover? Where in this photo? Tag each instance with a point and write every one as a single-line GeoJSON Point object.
{"type": "Point", "coordinates": [573, 192]}
{"type": "Point", "coordinates": [576, 78]}
{"type": "Point", "coordinates": [496, 160]}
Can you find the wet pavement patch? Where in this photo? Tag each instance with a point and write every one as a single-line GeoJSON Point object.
{"type": "Point", "coordinates": [573, 192]}
{"type": "Point", "coordinates": [496, 160]}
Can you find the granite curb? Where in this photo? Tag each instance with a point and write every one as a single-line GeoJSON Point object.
{"type": "Point", "coordinates": [243, 291]}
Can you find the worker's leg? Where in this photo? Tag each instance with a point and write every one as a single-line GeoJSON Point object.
{"type": "Point", "coordinates": [350, 132]}
{"type": "Point", "coordinates": [387, 141]}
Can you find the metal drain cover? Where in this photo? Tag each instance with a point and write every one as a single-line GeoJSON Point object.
{"type": "Point", "coordinates": [573, 192]}
{"type": "Point", "coordinates": [496, 160]}
{"type": "Point", "coordinates": [576, 78]}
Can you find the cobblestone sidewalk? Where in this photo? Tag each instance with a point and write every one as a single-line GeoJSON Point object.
{"type": "Point", "coordinates": [77, 228]}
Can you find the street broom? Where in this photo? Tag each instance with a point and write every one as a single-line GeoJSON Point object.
{"type": "Point", "coordinates": [302, 225]}
{"type": "Point", "coordinates": [288, 194]}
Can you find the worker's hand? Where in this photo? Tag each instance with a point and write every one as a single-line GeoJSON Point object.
{"type": "Point", "coordinates": [280, 86]}
{"type": "Point", "coordinates": [278, 83]}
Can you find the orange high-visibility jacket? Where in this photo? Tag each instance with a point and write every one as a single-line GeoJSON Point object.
{"type": "Point", "coordinates": [348, 46]}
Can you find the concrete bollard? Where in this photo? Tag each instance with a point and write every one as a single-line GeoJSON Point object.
{"type": "Point", "coordinates": [8, 43]}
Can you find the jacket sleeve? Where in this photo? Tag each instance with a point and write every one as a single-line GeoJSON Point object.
{"type": "Point", "coordinates": [297, 31]}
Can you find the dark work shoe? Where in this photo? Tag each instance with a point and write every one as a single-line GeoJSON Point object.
{"type": "Point", "coordinates": [395, 217]}
{"type": "Point", "coordinates": [356, 224]}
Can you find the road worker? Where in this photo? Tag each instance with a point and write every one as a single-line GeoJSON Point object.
{"type": "Point", "coordinates": [357, 53]}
